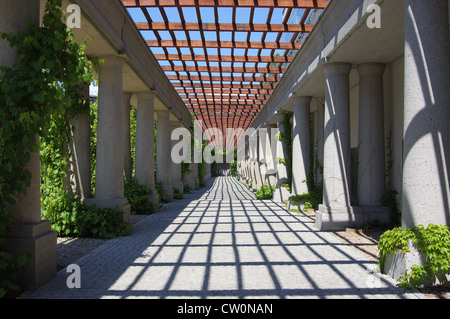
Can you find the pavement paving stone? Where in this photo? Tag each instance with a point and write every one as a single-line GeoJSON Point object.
{"type": "Point", "coordinates": [222, 242]}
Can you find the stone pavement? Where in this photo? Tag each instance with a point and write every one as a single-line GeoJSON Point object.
{"type": "Point", "coordinates": [224, 243]}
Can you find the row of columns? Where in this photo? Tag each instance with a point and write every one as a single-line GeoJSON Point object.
{"type": "Point", "coordinates": [426, 194]}
{"type": "Point", "coordinates": [28, 233]}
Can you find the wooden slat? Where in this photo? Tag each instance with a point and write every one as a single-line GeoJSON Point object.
{"type": "Point", "coordinates": [240, 27]}
{"type": "Point", "coordinates": [313, 4]}
{"type": "Point", "coordinates": [225, 58]}
{"type": "Point", "coordinates": [235, 95]}
{"type": "Point", "coordinates": [223, 44]}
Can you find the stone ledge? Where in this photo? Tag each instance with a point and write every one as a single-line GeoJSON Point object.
{"type": "Point", "coordinates": [355, 217]}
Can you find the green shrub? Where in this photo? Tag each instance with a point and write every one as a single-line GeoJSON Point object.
{"type": "Point", "coordinates": [304, 199]}
{"type": "Point", "coordinates": [10, 267]}
{"type": "Point", "coordinates": [433, 242]}
{"type": "Point", "coordinates": [160, 191]}
{"type": "Point", "coordinates": [177, 194]}
{"type": "Point", "coordinates": [138, 197]}
{"type": "Point", "coordinates": [265, 192]}
{"type": "Point", "coordinates": [76, 219]}
{"type": "Point", "coordinates": [187, 189]}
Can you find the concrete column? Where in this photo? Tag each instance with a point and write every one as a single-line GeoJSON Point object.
{"type": "Point", "coordinates": [281, 194]}
{"type": "Point", "coordinates": [194, 175]}
{"type": "Point", "coordinates": [320, 141]}
{"type": "Point", "coordinates": [175, 169]}
{"type": "Point", "coordinates": [262, 147]}
{"type": "Point", "coordinates": [270, 154]}
{"type": "Point", "coordinates": [335, 213]}
{"type": "Point", "coordinates": [301, 148]}
{"type": "Point", "coordinates": [81, 153]}
{"type": "Point", "coordinates": [207, 171]}
{"type": "Point", "coordinates": [109, 181]}
{"type": "Point", "coordinates": [426, 150]}
{"type": "Point", "coordinates": [371, 153]}
{"type": "Point", "coordinates": [254, 161]}
{"type": "Point", "coordinates": [27, 232]}
{"type": "Point", "coordinates": [163, 160]}
{"type": "Point", "coordinates": [127, 167]}
{"type": "Point", "coordinates": [145, 144]}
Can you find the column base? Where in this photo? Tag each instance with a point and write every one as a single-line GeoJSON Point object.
{"type": "Point", "coordinates": [154, 200]}
{"type": "Point", "coordinates": [397, 264]}
{"type": "Point", "coordinates": [122, 203]}
{"type": "Point", "coordinates": [168, 192]}
{"type": "Point", "coordinates": [190, 182]}
{"type": "Point", "coordinates": [281, 194]}
{"type": "Point", "coordinates": [39, 241]}
{"type": "Point", "coordinates": [178, 185]}
{"type": "Point", "coordinates": [328, 219]}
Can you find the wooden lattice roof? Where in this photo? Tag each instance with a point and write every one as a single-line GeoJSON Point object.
{"type": "Point", "coordinates": [224, 57]}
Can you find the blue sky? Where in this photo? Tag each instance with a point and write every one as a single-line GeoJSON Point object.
{"type": "Point", "coordinates": [207, 16]}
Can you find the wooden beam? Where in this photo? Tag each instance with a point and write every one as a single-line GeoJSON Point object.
{"type": "Point", "coordinates": [181, 68]}
{"type": "Point", "coordinates": [223, 44]}
{"type": "Point", "coordinates": [238, 27]}
{"type": "Point", "coordinates": [313, 4]}
{"type": "Point", "coordinates": [225, 58]}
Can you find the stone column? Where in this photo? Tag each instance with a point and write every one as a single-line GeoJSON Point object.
{"type": "Point", "coordinates": [163, 160]}
{"type": "Point", "coordinates": [194, 175]}
{"type": "Point", "coordinates": [281, 194]}
{"type": "Point", "coordinates": [81, 153]}
{"type": "Point", "coordinates": [254, 161]}
{"type": "Point", "coordinates": [320, 141]}
{"type": "Point", "coordinates": [301, 148]}
{"type": "Point", "coordinates": [207, 171]}
{"type": "Point", "coordinates": [335, 213]}
{"type": "Point", "coordinates": [371, 152]}
{"type": "Point", "coordinates": [27, 232]}
{"type": "Point", "coordinates": [270, 154]}
{"type": "Point", "coordinates": [426, 150]}
{"type": "Point", "coordinates": [262, 147]}
{"type": "Point", "coordinates": [127, 167]}
{"type": "Point", "coordinates": [145, 144]}
{"type": "Point", "coordinates": [109, 181]}
{"type": "Point", "coordinates": [175, 169]}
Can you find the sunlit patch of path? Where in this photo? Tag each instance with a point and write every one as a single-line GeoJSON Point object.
{"type": "Point", "coordinates": [222, 242]}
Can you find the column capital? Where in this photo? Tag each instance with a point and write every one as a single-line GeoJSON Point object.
{"type": "Point", "coordinates": [337, 68]}
{"type": "Point", "coordinates": [146, 94]}
{"type": "Point", "coordinates": [301, 100]}
{"type": "Point", "coordinates": [371, 68]}
{"type": "Point", "coordinates": [175, 124]}
{"type": "Point", "coordinates": [280, 117]}
{"type": "Point", "coordinates": [110, 60]}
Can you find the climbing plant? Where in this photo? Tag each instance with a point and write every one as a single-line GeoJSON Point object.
{"type": "Point", "coordinates": [432, 242]}
{"type": "Point", "coordinates": [39, 94]}
{"type": "Point", "coordinates": [286, 138]}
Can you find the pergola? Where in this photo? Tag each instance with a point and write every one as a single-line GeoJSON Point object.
{"type": "Point", "coordinates": [223, 57]}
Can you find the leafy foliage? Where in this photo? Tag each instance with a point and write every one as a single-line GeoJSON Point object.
{"type": "Point", "coordinates": [187, 189]}
{"type": "Point", "coordinates": [265, 192]}
{"type": "Point", "coordinates": [177, 194]}
{"type": "Point", "coordinates": [79, 220]}
{"type": "Point", "coordinates": [39, 93]}
{"type": "Point", "coordinates": [433, 242]}
{"type": "Point", "coordinates": [138, 197]}
{"type": "Point", "coordinates": [286, 138]}
{"type": "Point", "coordinates": [12, 266]}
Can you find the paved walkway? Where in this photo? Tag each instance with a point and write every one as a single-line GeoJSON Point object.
{"type": "Point", "coordinates": [224, 243]}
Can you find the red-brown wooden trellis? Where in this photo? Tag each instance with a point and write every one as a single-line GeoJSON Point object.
{"type": "Point", "coordinates": [225, 96]}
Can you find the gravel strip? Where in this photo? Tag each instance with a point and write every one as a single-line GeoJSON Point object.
{"type": "Point", "coordinates": [72, 249]}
